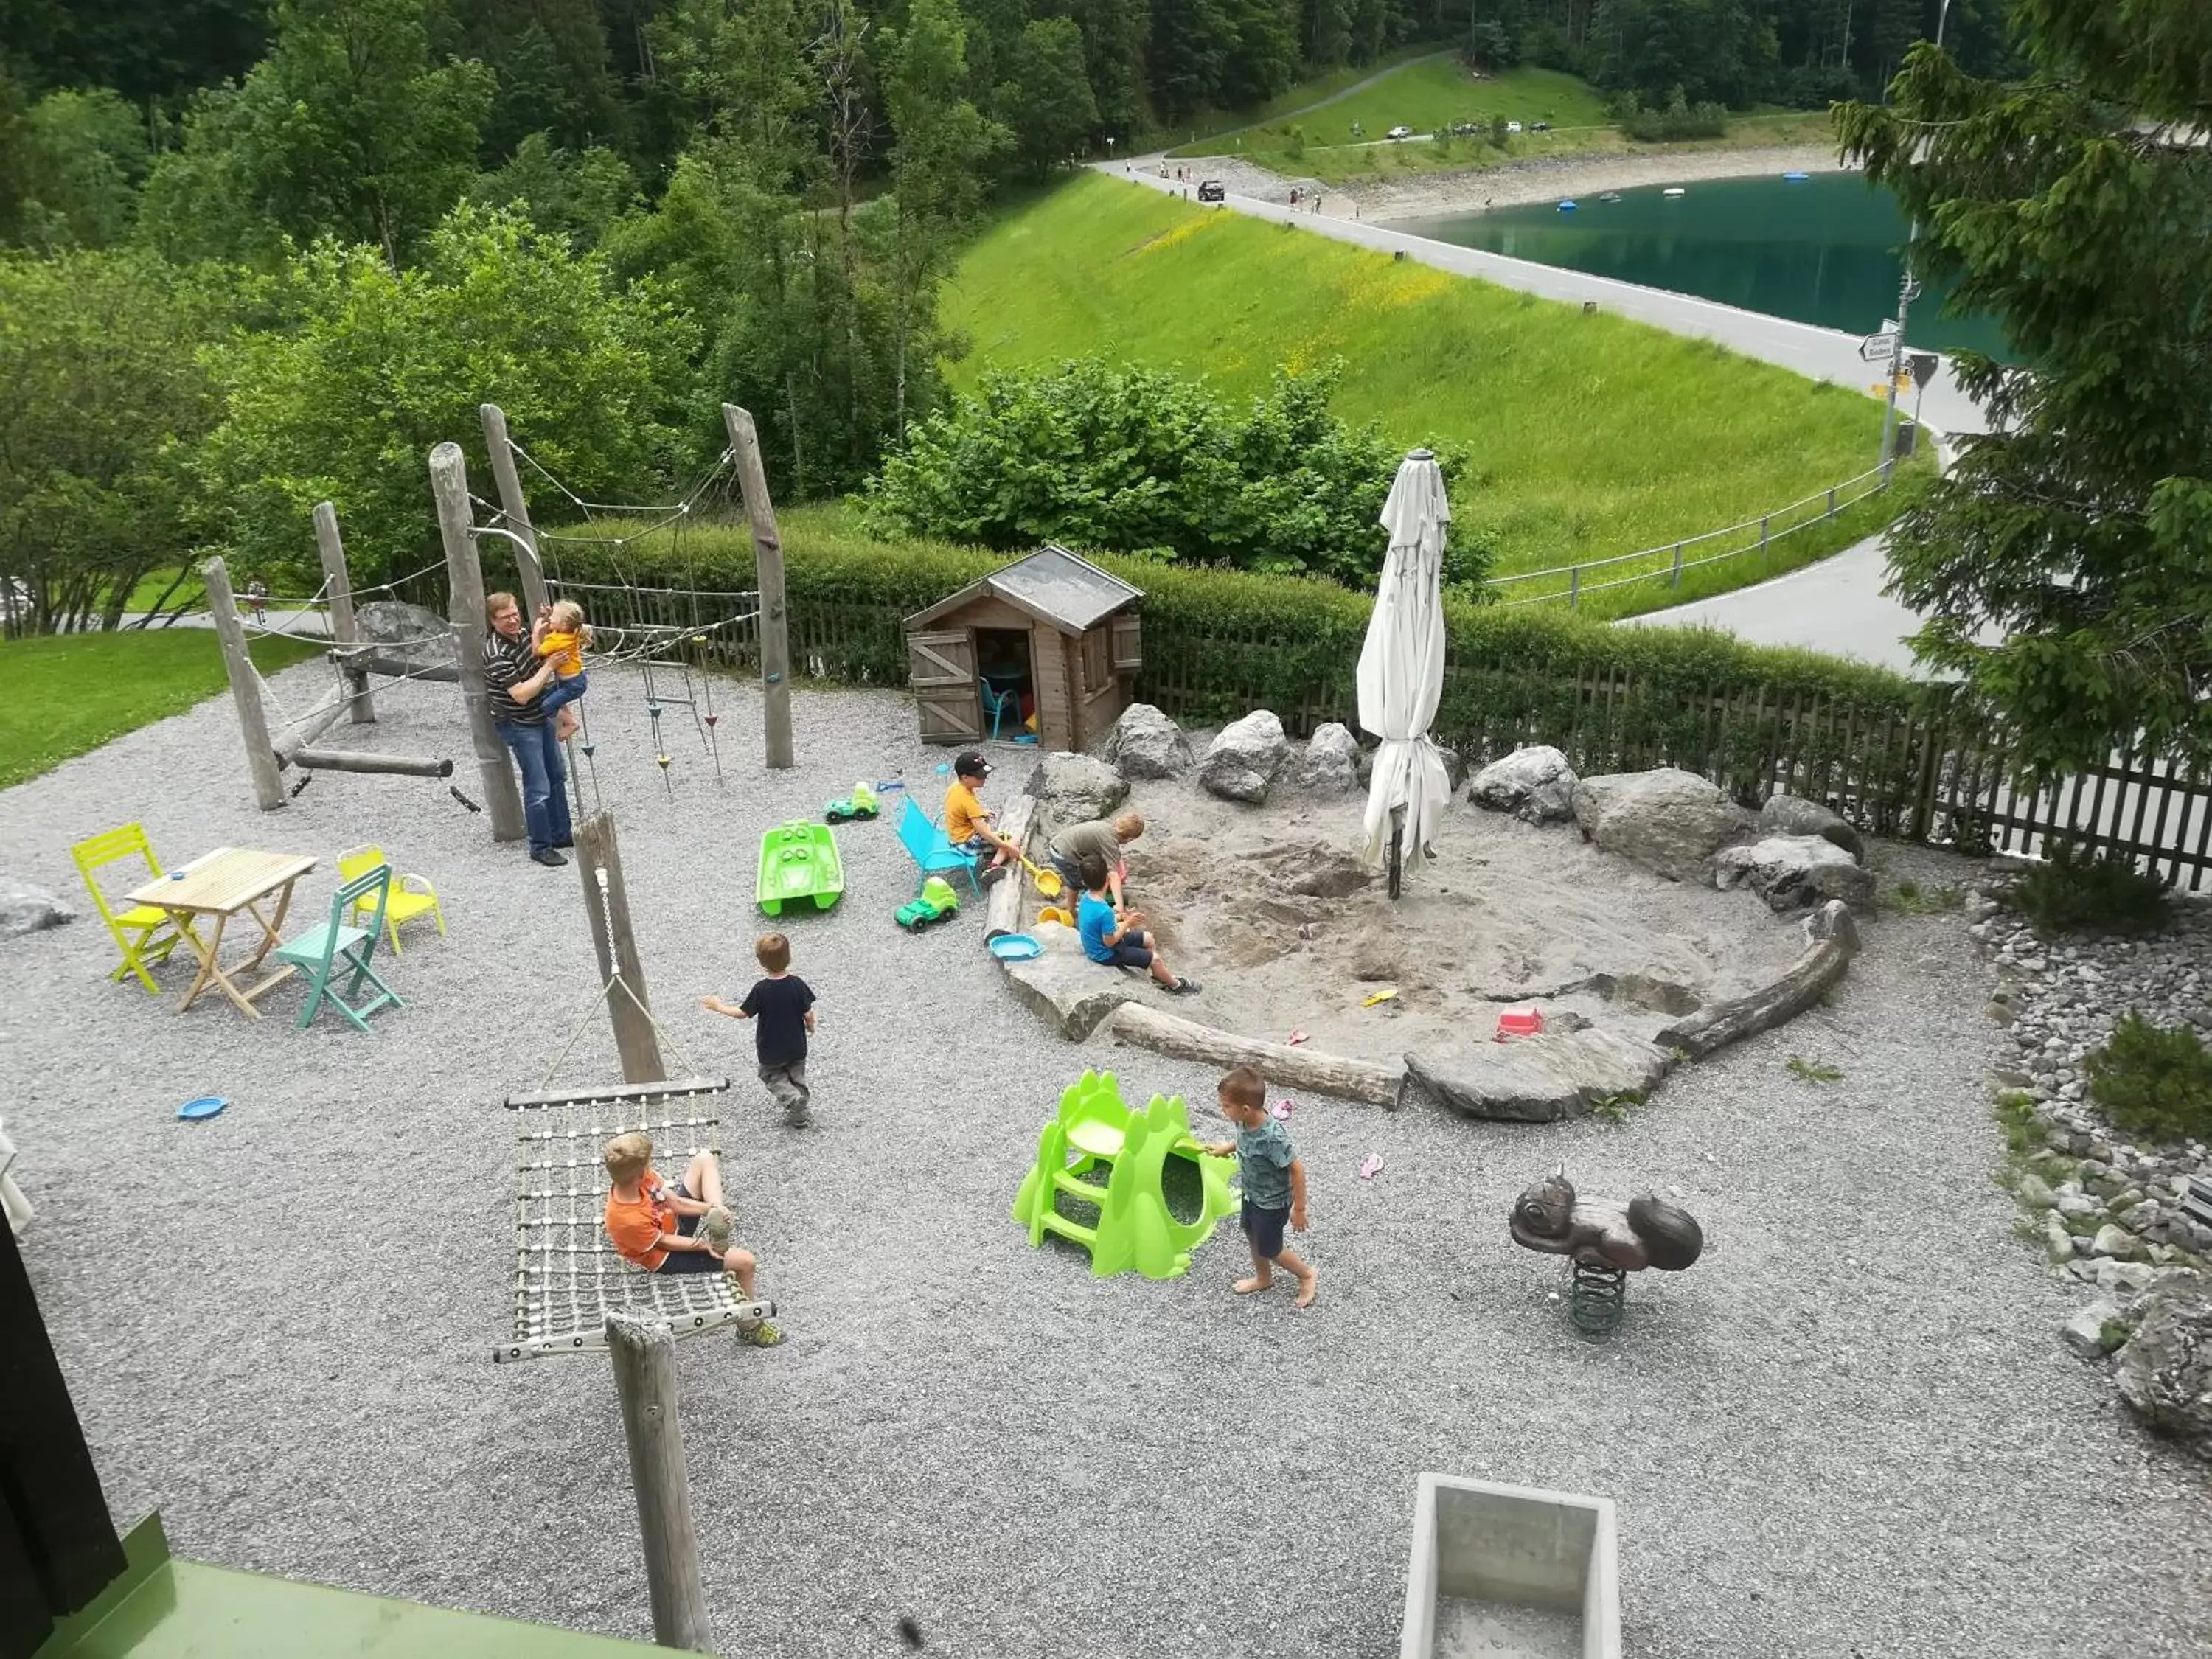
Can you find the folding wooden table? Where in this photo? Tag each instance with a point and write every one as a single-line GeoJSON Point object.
{"type": "Point", "coordinates": [217, 887]}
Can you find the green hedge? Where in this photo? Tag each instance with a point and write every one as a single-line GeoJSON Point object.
{"type": "Point", "coordinates": [1218, 644]}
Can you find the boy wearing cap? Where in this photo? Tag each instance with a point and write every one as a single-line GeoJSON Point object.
{"type": "Point", "coordinates": [968, 822]}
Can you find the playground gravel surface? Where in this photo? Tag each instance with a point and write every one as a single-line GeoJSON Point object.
{"type": "Point", "coordinates": [1850, 1431]}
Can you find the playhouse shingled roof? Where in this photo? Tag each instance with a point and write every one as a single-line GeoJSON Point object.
{"type": "Point", "coordinates": [1053, 585]}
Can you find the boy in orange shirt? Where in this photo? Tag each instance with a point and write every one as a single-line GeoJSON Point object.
{"type": "Point", "coordinates": [967, 824]}
{"type": "Point", "coordinates": [684, 1229]}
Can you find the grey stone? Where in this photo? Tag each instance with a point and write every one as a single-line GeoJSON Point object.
{"type": "Point", "coordinates": [2060, 1243]}
{"type": "Point", "coordinates": [2035, 1192]}
{"type": "Point", "coordinates": [2166, 1371]}
{"type": "Point", "coordinates": [2125, 1278]}
{"type": "Point", "coordinates": [1790, 871]}
{"type": "Point", "coordinates": [1246, 758]}
{"type": "Point", "coordinates": [1789, 815]}
{"type": "Point", "coordinates": [1330, 764]}
{"type": "Point", "coordinates": [1669, 821]}
{"type": "Point", "coordinates": [2115, 1242]}
{"type": "Point", "coordinates": [1832, 921]}
{"type": "Point", "coordinates": [2086, 1333]}
{"type": "Point", "coordinates": [2076, 1203]}
{"type": "Point", "coordinates": [1072, 789]}
{"type": "Point", "coordinates": [1537, 1080]}
{"type": "Point", "coordinates": [1066, 987]}
{"type": "Point", "coordinates": [1145, 744]}
{"type": "Point", "coordinates": [28, 909]}
{"type": "Point", "coordinates": [418, 639]}
{"type": "Point", "coordinates": [1534, 783]}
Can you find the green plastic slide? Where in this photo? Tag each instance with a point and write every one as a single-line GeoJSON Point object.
{"type": "Point", "coordinates": [1093, 1130]}
{"type": "Point", "coordinates": [799, 861]}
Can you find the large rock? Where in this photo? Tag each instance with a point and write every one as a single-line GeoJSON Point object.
{"type": "Point", "coordinates": [1669, 821]}
{"type": "Point", "coordinates": [1790, 872]}
{"type": "Point", "coordinates": [2094, 1331]}
{"type": "Point", "coordinates": [1330, 763]}
{"type": "Point", "coordinates": [1066, 987]}
{"type": "Point", "coordinates": [1072, 789]}
{"type": "Point", "coordinates": [407, 633]}
{"type": "Point", "coordinates": [1537, 1080]}
{"type": "Point", "coordinates": [1791, 814]}
{"type": "Point", "coordinates": [1535, 783]}
{"type": "Point", "coordinates": [1246, 758]}
{"type": "Point", "coordinates": [28, 909]}
{"type": "Point", "coordinates": [1146, 744]}
{"type": "Point", "coordinates": [2165, 1369]}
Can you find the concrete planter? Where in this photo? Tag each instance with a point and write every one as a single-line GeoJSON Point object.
{"type": "Point", "coordinates": [1501, 1570]}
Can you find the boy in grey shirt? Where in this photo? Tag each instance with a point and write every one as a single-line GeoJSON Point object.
{"type": "Point", "coordinates": [1274, 1181]}
{"type": "Point", "coordinates": [1102, 838]}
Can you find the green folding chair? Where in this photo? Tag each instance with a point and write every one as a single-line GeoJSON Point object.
{"type": "Point", "coordinates": [334, 948]}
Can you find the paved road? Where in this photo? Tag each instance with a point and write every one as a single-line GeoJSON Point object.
{"type": "Point", "coordinates": [1836, 605]}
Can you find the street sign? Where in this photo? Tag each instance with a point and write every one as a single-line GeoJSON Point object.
{"type": "Point", "coordinates": [1923, 365]}
{"type": "Point", "coordinates": [1877, 347]}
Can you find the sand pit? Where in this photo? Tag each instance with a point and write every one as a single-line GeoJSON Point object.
{"type": "Point", "coordinates": [1269, 908]}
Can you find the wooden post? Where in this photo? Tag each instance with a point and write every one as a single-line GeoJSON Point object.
{"type": "Point", "coordinates": [599, 860]}
{"type": "Point", "coordinates": [768, 554]}
{"type": "Point", "coordinates": [644, 1353]}
{"type": "Point", "coordinates": [449, 483]}
{"type": "Point", "coordinates": [1002, 909]}
{"type": "Point", "coordinates": [517, 506]}
{"type": "Point", "coordinates": [245, 686]}
{"type": "Point", "coordinates": [343, 630]}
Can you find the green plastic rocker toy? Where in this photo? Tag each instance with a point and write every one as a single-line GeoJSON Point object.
{"type": "Point", "coordinates": [1134, 1229]}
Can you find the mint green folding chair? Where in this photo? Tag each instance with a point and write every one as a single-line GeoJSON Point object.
{"type": "Point", "coordinates": [334, 948]}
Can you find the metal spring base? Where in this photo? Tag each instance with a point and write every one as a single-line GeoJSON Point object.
{"type": "Point", "coordinates": [1596, 1299]}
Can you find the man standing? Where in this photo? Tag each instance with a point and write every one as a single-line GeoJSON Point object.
{"type": "Point", "coordinates": [514, 676]}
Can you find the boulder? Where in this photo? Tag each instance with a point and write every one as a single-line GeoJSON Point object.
{"type": "Point", "coordinates": [1832, 921]}
{"type": "Point", "coordinates": [1146, 744]}
{"type": "Point", "coordinates": [1790, 815]}
{"type": "Point", "coordinates": [28, 909]}
{"type": "Point", "coordinates": [1537, 1080]}
{"type": "Point", "coordinates": [407, 633]}
{"type": "Point", "coordinates": [2115, 1242]}
{"type": "Point", "coordinates": [1070, 991]}
{"type": "Point", "coordinates": [1246, 758]}
{"type": "Point", "coordinates": [1330, 763]}
{"type": "Point", "coordinates": [1535, 784]}
{"type": "Point", "coordinates": [1072, 789]}
{"type": "Point", "coordinates": [1669, 821]}
{"type": "Point", "coordinates": [2095, 1331]}
{"type": "Point", "coordinates": [1790, 871]}
{"type": "Point", "coordinates": [2165, 1369]}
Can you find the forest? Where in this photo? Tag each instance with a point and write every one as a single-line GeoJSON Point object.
{"type": "Point", "coordinates": [264, 251]}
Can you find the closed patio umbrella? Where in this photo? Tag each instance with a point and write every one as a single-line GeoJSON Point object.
{"type": "Point", "coordinates": [1401, 669]}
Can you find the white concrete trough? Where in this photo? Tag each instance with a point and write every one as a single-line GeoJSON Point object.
{"type": "Point", "coordinates": [1511, 1572]}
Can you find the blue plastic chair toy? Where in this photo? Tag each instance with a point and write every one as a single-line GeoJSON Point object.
{"type": "Point", "coordinates": [918, 834]}
{"type": "Point", "coordinates": [334, 948]}
{"type": "Point", "coordinates": [1000, 703]}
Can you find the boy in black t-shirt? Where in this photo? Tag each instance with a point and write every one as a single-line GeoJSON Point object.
{"type": "Point", "coordinates": [784, 1006]}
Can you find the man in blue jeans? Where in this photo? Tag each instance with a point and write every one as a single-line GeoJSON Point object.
{"type": "Point", "coordinates": [514, 676]}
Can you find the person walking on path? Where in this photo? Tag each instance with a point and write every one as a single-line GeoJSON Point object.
{"type": "Point", "coordinates": [1273, 1179]}
{"type": "Point", "coordinates": [515, 675]}
{"type": "Point", "coordinates": [781, 1006]}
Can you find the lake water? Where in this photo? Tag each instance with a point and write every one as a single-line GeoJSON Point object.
{"type": "Point", "coordinates": [1820, 250]}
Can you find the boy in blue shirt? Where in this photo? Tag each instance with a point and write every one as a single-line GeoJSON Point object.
{"type": "Point", "coordinates": [1116, 940]}
{"type": "Point", "coordinates": [1274, 1181]}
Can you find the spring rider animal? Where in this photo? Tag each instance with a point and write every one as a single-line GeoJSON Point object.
{"type": "Point", "coordinates": [1606, 1240]}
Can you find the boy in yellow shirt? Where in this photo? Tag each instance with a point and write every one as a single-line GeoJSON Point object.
{"type": "Point", "coordinates": [564, 641]}
{"type": "Point", "coordinates": [967, 824]}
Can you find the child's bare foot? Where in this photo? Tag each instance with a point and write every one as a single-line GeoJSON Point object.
{"type": "Point", "coordinates": [564, 725]}
{"type": "Point", "coordinates": [1307, 1286]}
{"type": "Point", "coordinates": [1246, 1286]}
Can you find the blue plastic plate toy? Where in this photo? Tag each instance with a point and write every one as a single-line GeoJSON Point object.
{"type": "Point", "coordinates": [1015, 947]}
{"type": "Point", "coordinates": [206, 1106]}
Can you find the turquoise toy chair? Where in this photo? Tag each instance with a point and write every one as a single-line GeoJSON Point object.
{"type": "Point", "coordinates": [925, 843]}
{"type": "Point", "coordinates": [1000, 703]}
{"type": "Point", "coordinates": [336, 948]}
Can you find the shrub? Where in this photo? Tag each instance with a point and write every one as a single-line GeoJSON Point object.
{"type": "Point", "coordinates": [1098, 456]}
{"type": "Point", "coordinates": [1676, 120]}
{"type": "Point", "coordinates": [2072, 892]}
{"type": "Point", "coordinates": [2153, 1082]}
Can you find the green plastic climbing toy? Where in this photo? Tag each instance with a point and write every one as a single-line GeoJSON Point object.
{"type": "Point", "coordinates": [1092, 1130]}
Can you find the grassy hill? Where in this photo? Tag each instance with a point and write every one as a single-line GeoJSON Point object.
{"type": "Point", "coordinates": [1590, 435]}
{"type": "Point", "coordinates": [1436, 92]}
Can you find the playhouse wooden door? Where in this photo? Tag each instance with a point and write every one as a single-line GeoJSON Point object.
{"type": "Point", "coordinates": [941, 668]}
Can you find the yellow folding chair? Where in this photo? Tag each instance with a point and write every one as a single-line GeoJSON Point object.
{"type": "Point", "coordinates": [411, 896]}
{"type": "Point", "coordinates": [139, 931]}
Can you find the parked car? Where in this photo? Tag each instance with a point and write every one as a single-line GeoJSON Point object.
{"type": "Point", "coordinates": [1513, 126]}
{"type": "Point", "coordinates": [1467, 129]}
{"type": "Point", "coordinates": [1210, 189]}
{"type": "Point", "coordinates": [1399, 132]}
{"type": "Point", "coordinates": [1540, 126]}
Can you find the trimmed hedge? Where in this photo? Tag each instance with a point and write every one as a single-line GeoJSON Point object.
{"type": "Point", "coordinates": [1220, 643]}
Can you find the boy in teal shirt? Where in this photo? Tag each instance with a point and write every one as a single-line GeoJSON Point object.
{"type": "Point", "coordinates": [1274, 1182]}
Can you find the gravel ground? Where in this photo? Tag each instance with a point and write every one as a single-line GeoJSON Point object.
{"type": "Point", "coordinates": [1849, 1431]}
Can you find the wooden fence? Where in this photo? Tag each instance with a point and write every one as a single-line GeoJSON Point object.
{"type": "Point", "coordinates": [1901, 772]}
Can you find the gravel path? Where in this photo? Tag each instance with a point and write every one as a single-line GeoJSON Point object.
{"type": "Point", "coordinates": [1850, 1431]}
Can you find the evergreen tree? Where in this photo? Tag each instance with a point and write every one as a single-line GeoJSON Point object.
{"type": "Point", "coordinates": [1329, 34]}
{"type": "Point", "coordinates": [1190, 41]}
{"type": "Point", "coordinates": [1114, 59]}
{"type": "Point", "coordinates": [1046, 100]}
{"type": "Point", "coordinates": [2077, 209]}
{"type": "Point", "coordinates": [1265, 57]}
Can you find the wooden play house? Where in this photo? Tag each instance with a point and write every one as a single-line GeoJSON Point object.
{"type": "Point", "coordinates": [1047, 648]}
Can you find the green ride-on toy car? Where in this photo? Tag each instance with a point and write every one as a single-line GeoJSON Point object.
{"type": "Point", "coordinates": [938, 903]}
{"type": "Point", "coordinates": [860, 803]}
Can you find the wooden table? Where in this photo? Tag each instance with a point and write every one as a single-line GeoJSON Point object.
{"type": "Point", "coordinates": [216, 887]}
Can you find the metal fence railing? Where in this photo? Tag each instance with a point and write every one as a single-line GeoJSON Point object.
{"type": "Point", "coordinates": [1667, 562]}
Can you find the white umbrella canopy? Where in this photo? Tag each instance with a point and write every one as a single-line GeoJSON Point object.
{"type": "Point", "coordinates": [1401, 665]}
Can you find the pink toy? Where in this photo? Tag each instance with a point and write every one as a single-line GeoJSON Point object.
{"type": "Point", "coordinates": [1283, 1110]}
{"type": "Point", "coordinates": [1519, 1022]}
{"type": "Point", "coordinates": [1368, 1168]}
{"type": "Point", "coordinates": [1297, 1037]}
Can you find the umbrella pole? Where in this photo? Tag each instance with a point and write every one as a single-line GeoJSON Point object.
{"type": "Point", "coordinates": [1397, 849]}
